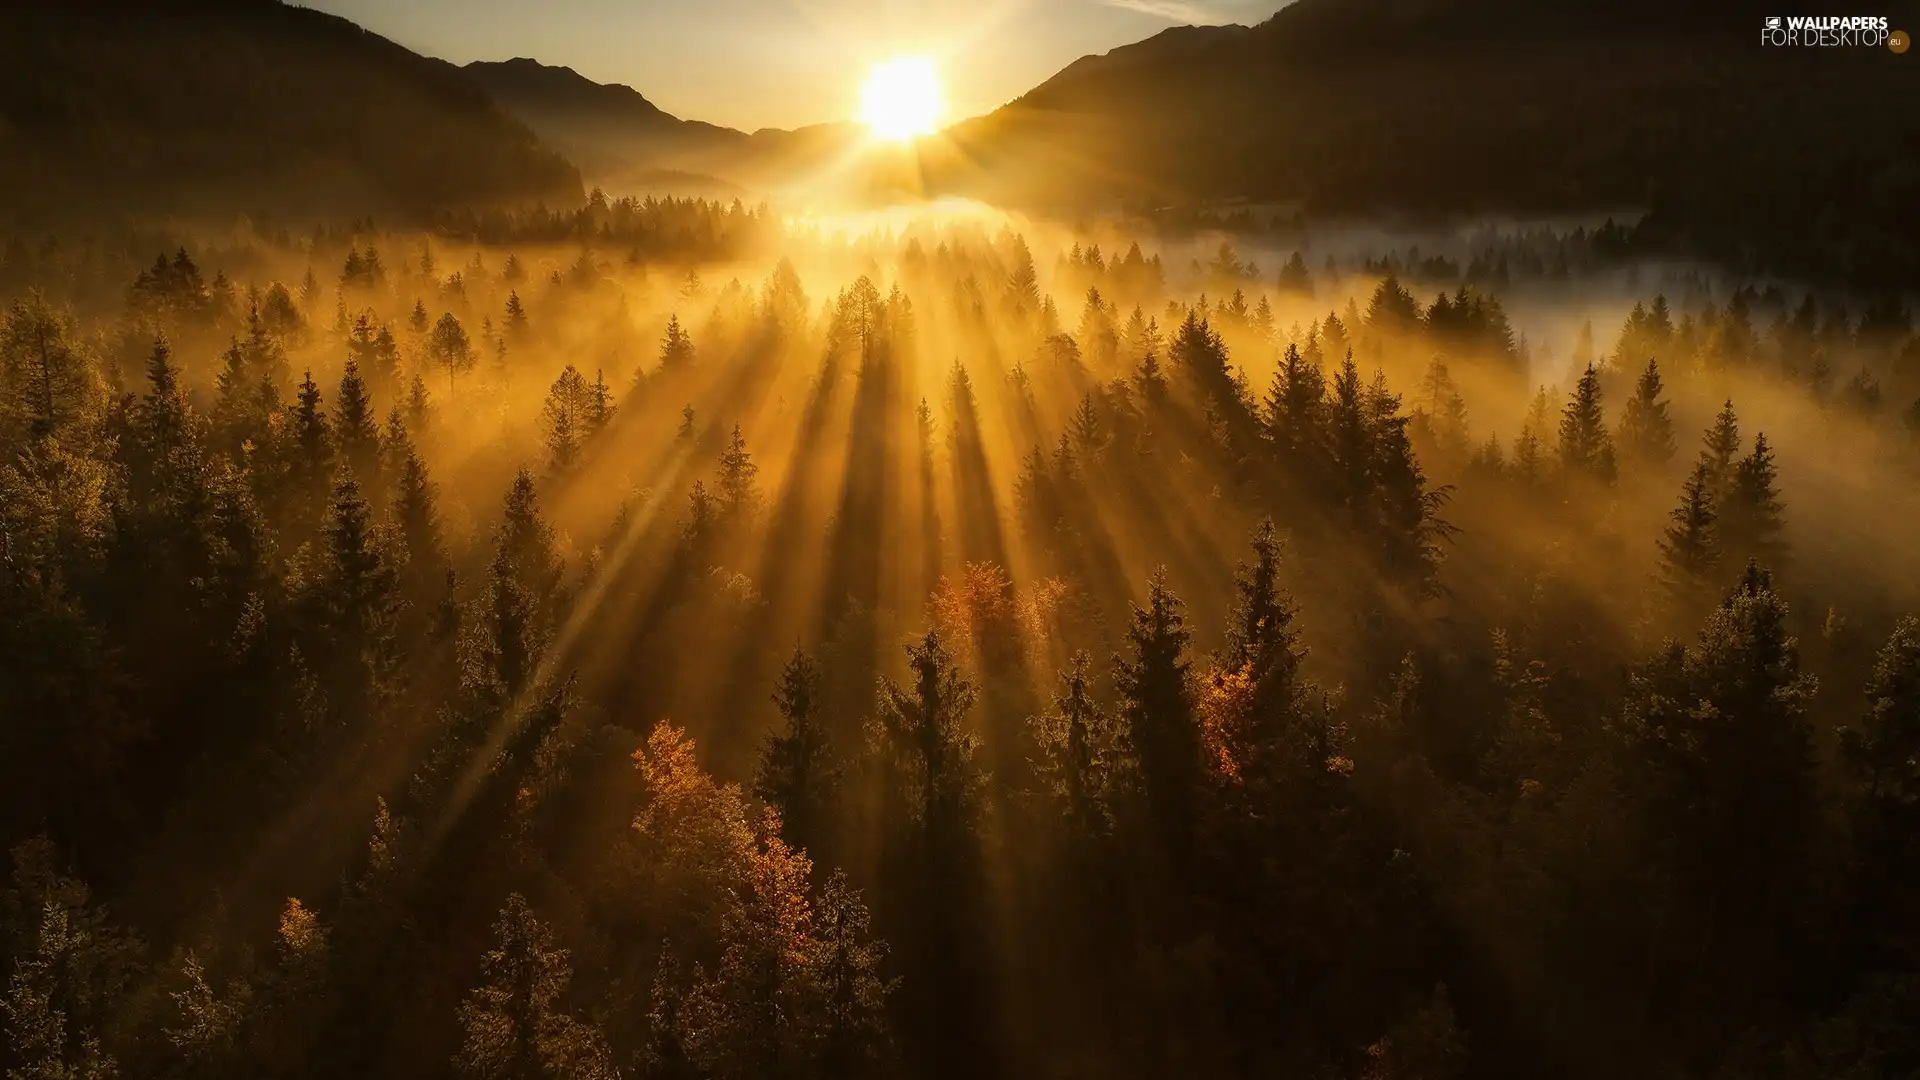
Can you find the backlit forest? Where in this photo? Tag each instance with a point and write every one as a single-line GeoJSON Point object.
{"type": "Point", "coordinates": [674, 640]}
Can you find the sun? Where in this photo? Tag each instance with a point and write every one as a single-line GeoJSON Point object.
{"type": "Point", "coordinates": [902, 99]}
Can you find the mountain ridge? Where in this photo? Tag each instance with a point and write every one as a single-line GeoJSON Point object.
{"type": "Point", "coordinates": [247, 106]}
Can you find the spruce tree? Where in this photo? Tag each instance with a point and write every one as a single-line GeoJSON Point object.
{"type": "Point", "coordinates": [1157, 704]}
{"type": "Point", "coordinates": [1719, 450]}
{"type": "Point", "coordinates": [515, 323]}
{"type": "Point", "coordinates": [676, 349]}
{"type": "Point", "coordinates": [1260, 625]}
{"type": "Point", "coordinates": [1646, 431]}
{"type": "Point", "coordinates": [563, 421]}
{"type": "Point", "coordinates": [515, 1022]}
{"type": "Point", "coordinates": [449, 349]}
{"type": "Point", "coordinates": [1295, 413]}
{"type": "Point", "coordinates": [1690, 549]}
{"type": "Point", "coordinates": [1752, 517]}
{"type": "Point", "coordinates": [357, 430]}
{"type": "Point", "coordinates": [798, 774]}
{"type": "Point", "coordinates": [1585, 447]}
{"type": "Point", "coordinates": [923, 733]}
{"type": "Point", "coordinates": [739, 493]}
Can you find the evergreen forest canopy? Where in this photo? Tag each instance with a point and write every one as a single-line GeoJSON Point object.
{"type": "Point", "coordinates": [662, 640]}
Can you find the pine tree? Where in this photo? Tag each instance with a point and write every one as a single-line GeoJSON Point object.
{"type": "Point", "coordinates": [449, 349]}
{"type": "Point", "coordinates": [414, 509]}
{"type": "Point", "coordinates": [1157, 705]}
{"type": "Point", "coordinates": [1260, 626]}
{"type": "Point", "coordinates": [1690, 549]}
{"type": "Point", "coordinates": [1751, 516]}
{"type": "Point", "coordinates": [1295, 410]}
{"type": "Point", "coordinates": [46, 383]}
{"type": "Point", "coordinates": [599, 407]}
{"type": "Point", "coordinates": [676, 349]}
{"type": "Point", "coordinates": [419, 408]}
{"type": "Point", "coordinates": [515, 323]}
{"type": "Point", "coordinates": [309, 462]}
{"type": "Point", "coordinates": [703, 523]}
{"type": "Point", "coordinates": [1083, 755]}
{"type": "Point", "coordinates": [1646, 431]}
{"type": "Point", "coordinates": [1349, 442]}
{"type": "Point", "coordinates": [1719, 451]}
{"type": "Point", "coordinates": [42, 1040]}
{"type": "Point", "coordinates": [1585, 447]}
{"type": "Point", "coordinates": [356, 429]}
{"type": "Point", "coordinates": [1725, 727]}
{"type": "Point", "coordinates": [563, 421]}
{"type": "Point", "coordinates": [798, 775]}
{"type": "Point", "coordinates": [851, 1030]}
{"type": "Point", "coordinates": [739, 493]}
{"type": "Point", "coordinates": [931, 753]}
{"type": "Point", "coordinates": [515, 1022]}
{"type": "Point", "coordinates": [1882, 750]}
{"type": "Point", "coordinates": [360, 600]}
{"type": "Point", "coordinates": [526, 542]}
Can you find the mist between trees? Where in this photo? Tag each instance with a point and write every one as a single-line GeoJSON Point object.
{"type": "Point", "coordinates": [662, 640]}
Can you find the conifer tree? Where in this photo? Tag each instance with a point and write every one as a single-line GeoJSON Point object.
{"type": "Point", "coordinates": [46, 382]}
{"type": "Point", "coordinates": [1720, 450]}
{"type": "Point", "coordinates": [1690, 549]}
{"type": "Point", "coordinates": [564, 422]}
{"type": "Point", "coordinates": [676, 349]}
{"type": "Point", "coordinates": [419, 408]}
{"type": "Point", "coordinates": [1646, 431]}
{"type": "Point", "coordinates": [1157, 705]}
{"type": "Point", "coordinates": [449, 349]}
{"type": "Point", "coordinates": [357, 429]}
{"type": "Point", "coordinates": [932, 754]}
{"type": "Point", "coordinates": [413, 506]}
{"type": "Point", "coordinates": [515, 1021]}
{"type": "Point", "coordinates": [1751, 516]}
{"type": "Point", "coordinates": [42, 1039]}
{"type": "Point", "coordinates": [798, 774]}
{"type": "Point", "coordinates": [360, 602]}
{"type": "Point", "coordinates": [739, 493]}
{"type": "Point", "coordinates": [852, 1030]}
{"type": "Point", "coordinates": [1585, 447]}
{"type": "Point", "coordinates": [1260, 626]}
{"type": "Point", "coordinates": [599, 407]}
{"type": "Point", "coordinates": [1081, 747]}
{"type": "Point", "coordinates": [1294, 413]}
{"type": "Point", "coordinates": [515, 323]}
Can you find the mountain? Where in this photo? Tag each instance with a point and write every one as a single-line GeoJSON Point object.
{"type": "Point", "coordinates": [1791, 160]}
{"type": "Point", "coordinates": [625, 142]}
{"type": "Point", "coordinates": [245, 106]}
{"type": "Point", "coordinates": [612, 132]}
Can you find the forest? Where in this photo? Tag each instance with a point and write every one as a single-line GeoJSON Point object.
{"type": "Point", "coordinates": [669, 639]}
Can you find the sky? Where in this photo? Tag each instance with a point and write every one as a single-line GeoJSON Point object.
{"type": "Point", "coordinates": [785, 63]}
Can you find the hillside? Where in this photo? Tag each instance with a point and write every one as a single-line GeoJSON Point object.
{"type": "Point", "coordinates": [245, 106]}
{"type": "Point", "coordinates": [609, 130]}
{"type": "Point", "coordinates": [1771, 158]}
{"type": "Point", "coordinates": [625, 142]}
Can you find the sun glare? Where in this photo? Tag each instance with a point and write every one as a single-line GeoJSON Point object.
{"type": "Point", "coordinates": [902, 99]}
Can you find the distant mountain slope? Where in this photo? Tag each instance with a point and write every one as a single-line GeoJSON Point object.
{"type": "Point", "coordinates": [222, 106]}
{"type": "Point", "coordinates": [605, 128]}
{"type": "Point", "coordinates": [1802, 159]}
{"type": "Point", "coordinates": [621, 139]}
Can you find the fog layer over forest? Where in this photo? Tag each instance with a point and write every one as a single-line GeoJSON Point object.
{"type": "Point", "coordinates": [672, 639]}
